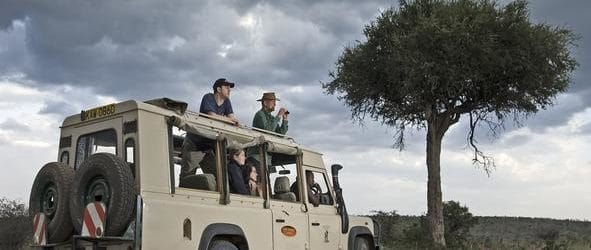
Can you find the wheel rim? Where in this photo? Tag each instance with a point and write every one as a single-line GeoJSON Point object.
{"type": "Point", "coordinates": [49, 200]}
{"type": "Point", "coordinates": [98, 190]}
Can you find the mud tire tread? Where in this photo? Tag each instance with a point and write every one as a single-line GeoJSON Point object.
{"type": "Point", "coordinates": [59, 228]}
{"type": "Point", "coordinates": [121, 208]}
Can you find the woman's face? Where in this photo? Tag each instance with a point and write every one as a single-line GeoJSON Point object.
{"type": "Point", "coordinates": [240, 158]}
{"type": "Point", "coordinates": [253, 173]}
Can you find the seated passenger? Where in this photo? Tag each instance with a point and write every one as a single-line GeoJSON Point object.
{"type": "Point", "coordinates": [249, 173]}
{"type": "Point", "coordinates": [314, 190]}
{"type": "Point", "coordinates": [236, 158]}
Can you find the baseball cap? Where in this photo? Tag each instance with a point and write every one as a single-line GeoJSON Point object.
{"type": "Point", "coordinates": [222, 82]}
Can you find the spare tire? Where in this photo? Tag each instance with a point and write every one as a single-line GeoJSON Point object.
{"type": "Point", "coordinates": [50, 195]}
{"type": "Point", "coordinates": [106, 178]}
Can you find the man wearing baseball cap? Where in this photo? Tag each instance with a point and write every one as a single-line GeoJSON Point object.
{"type": "Point", "coordinates": [218, 103]}
{"type": "Point", "coordinates": [198, 151]}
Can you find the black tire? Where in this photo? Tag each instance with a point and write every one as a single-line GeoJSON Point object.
{"type": "Point", "coordinates": [104, 177]}
{"type": "Point", "coordinates": [50, 194]}
{"type": "Point", "coordinates": [361, 243]}
{"type": "Point", "coordinates": [222, 245]}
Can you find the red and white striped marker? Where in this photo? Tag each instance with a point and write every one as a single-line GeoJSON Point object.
{"type": "Point", "coordinates": [40, 237]}
{"type": "Point", "coordinates": [93, 220]}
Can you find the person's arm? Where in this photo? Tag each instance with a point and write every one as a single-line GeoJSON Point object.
{"type": "Point", "coordinates": [234, 119]}
{"type": "Point", "coordinates": [230, 112]}
{"type": "Point", "coordinates": [221, 117]}
{"type": "Point", "coordinates": [313, 197]}
{"type": "Point", "coordinates": [209, 106]}
{"type": "Point", "coordinates": [283, 128]}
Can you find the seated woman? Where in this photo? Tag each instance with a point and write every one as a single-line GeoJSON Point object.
{"type": "Point", "coordinates": [250, 175]}
{"type": "Point", "coordinates": [236, 158]}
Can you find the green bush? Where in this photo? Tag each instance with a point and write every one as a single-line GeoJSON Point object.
{"type": "Point", "coordinates": [15, 225]}
{"type": "Point", "coordinates": [458, 222]}
{"type": "Point", "coordinates": [394, 234]}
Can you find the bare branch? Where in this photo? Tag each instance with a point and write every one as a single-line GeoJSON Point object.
{"type": "Point", "coordinates": [487, 163]}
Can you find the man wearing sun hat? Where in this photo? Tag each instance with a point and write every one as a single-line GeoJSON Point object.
{"type": "Point", "coordinates": [263, 119]}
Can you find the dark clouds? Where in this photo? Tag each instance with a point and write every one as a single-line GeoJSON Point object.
{"type": "Point", "coordinates": [141, 49]}
{"type": "Point", "coordinates": [572, 14]}
{"type": "Point", "coordinates": [146, 49]}
{"type": "Point", "coordinates": [137, 48]}
{"type": "Point", "coordinates": [11, 10]}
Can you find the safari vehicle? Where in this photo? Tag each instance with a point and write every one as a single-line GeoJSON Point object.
{"type": "Point", "coordinates": [117, 184]}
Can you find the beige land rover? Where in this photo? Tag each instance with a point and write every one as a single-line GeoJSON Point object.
{"type": "Point", "coordinates": [119, 183]}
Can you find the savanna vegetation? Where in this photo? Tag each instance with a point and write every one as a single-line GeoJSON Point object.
{"type": "Point", "coordinates": [465, 231]}
{"type": "Point", "coordinates": [15, 224]}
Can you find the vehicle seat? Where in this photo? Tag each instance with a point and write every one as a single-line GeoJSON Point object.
{"type": "Point", "coordinates": [207, 164]}
{"type": "Point", "coordinates": [199, 181]}
{"type": "Point", "coordinates": [282, 191]}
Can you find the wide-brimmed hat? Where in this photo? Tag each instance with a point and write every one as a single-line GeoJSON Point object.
{"type": "Point", "coordinates": [268, 96]}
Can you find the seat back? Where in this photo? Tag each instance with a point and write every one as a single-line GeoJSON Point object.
{"type": "Point", "coordinates": [282, 191]}
{"type": "Point", "coordinates": [207, 164]}
{"type": "Point", "coordinates": [199, 181]}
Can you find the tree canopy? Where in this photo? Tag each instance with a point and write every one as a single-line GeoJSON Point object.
{"type": "Point", "coordinates": [434, 58]}
{"type": "Point", "coordinates": [428, 62]}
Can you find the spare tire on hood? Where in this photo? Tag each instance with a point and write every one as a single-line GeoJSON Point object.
{"type": "Point", "coordinates": [106, 178]}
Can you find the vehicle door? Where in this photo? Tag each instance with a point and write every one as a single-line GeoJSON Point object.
{"type": "Point", "coordinates": [290, 229]}
{"type": "Point", "coordinates": [323, 221]}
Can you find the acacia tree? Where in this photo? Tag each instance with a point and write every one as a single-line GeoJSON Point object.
{"type": "Point", "coordinates": [430, 62]}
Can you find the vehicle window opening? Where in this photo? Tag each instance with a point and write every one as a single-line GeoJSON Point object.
{"type": "Point", "coordinates": [130, 154]}
{"type": "Point", "coordinates": [244, 173]}
{"type": "Point", "coordinates": [194, 159]}
{"type": "Point", "coordinates": [65, 157]}
{"type": "Point", "coordinates": [99, 142]}
{"type": "Point", "coordinates": [283, 176]}
{"type": "Point", "coordinates": [317, 188]}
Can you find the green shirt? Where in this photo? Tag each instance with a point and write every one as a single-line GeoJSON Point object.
{"type": "Point", "coordinates": [265, 120]}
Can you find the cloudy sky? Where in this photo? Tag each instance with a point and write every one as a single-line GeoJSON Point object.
{"type": "Point", "coordinates": [59, 57]}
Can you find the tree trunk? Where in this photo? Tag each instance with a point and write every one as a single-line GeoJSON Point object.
{"type": "Point", "coordinates": [435, 224]}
